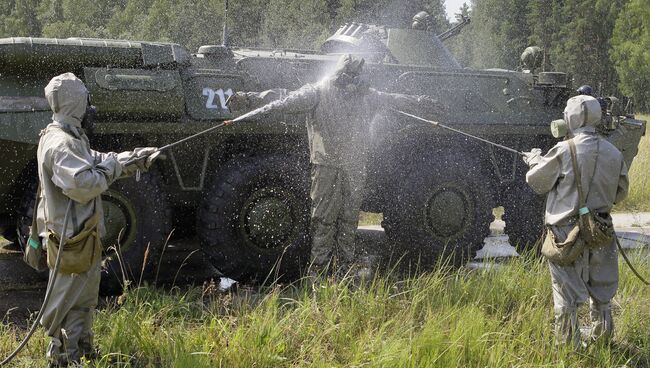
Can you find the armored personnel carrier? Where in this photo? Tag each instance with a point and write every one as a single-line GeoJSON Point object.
{"type": "Point", "coordinates": [244, 188]}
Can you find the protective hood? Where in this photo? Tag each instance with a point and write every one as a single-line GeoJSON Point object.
{"type": "Point", "coordinates": [68, 99]}
{"type": "Point", "coordinates": [582, 112]}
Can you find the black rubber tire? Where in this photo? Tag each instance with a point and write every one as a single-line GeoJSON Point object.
{"type": "Point", "coordinates": [444, 187]}
{"type": "Point", "coordinates": [250, 191]}
{"type": "Point", "coordinates": [24, 213]}
{"type": "Point", "coordinates": [524, 217]}
{"type": "Point", "coordinates": [145, 205]}
{"type": "Point", "coordinates": [20, 233]}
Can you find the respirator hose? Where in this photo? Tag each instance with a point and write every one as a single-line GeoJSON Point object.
{"type": "Point", "coordinates": [48, 292]}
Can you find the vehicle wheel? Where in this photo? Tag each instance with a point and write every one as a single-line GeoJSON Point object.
{"type": "Point", "coordinates": [524, 217]}
{"type": "Point", "coordinates": [25, 212]}
{"type": "Point", "coordinates": [254, 220]}
{"type": "Point", "coordinates": [443, 208]}
{"type": "Point", "coordinates": [137, 214]}
{"type": "Point", "coordinates": [134, 212]}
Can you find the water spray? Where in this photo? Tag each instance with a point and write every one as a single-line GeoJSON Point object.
{"type": "Point", "coordinates": [435, 123]}
{"type": "Point", "coordinates": [193, 136]}
{"type": "Point", "coordinates": [225, 39]}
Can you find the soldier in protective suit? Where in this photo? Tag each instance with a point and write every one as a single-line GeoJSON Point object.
{"type": "Point", "coordinates": [340, 110]}
{"type": "Point", "coordinates": [69, 169]}
{"type": "Point", "coordinates": [594, 275]}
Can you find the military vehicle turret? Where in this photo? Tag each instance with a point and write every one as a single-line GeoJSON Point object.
{"type": "Point", "coordinates": [244, 188]}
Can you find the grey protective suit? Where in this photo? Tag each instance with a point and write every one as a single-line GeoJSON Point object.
{"type": "Point", "coordinates": [69, 170]}
{"type": "Point", "coordinates": [604, 178]}
{"type": "Point", "coordinates": [338, 128]}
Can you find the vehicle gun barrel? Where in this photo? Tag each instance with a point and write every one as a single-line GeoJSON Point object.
{"type": "Point", "coordinates": [451, 32]}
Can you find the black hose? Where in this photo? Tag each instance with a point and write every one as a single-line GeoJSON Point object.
{"type": "Point", "coordinates": [48, 292]}
{"type": "Point", "coordinates": [629, 264]}
{"type": "Point", "coordinates": [168, 146]}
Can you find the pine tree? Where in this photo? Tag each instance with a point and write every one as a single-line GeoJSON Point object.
{"type": "Point", "coordinates": [130, 17]}
{"type": "Point", "coordinates": [500, 32]}
{"type": "Point", "coordinates": [191, 23]}
{"type": "Point", "coordinates": [246, 21]}
{"type": "Point", "coordinates": [392, 13]}
{"type": "Point", "coordinates": [584, 43]}
{"type": "Point", "coordinates": [462, 45]}
{"type": "Point", "coordinates": [630, 45]}
{"type": "Point", "coordinates": [362, 11]}
{"type": "Point", "coordinates": [19, 18]}
{"type": "Point", "coordinates": [296, 23]}
{"type": "Point", "coordinates": [544, 20]}
{"type": "Point", "coordinates": [463, 12]}
{"type": "Point", "coordinates": [75, 18]}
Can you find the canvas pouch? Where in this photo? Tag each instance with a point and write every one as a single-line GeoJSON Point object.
{"type": "Point", "coordinates": [590, 231]}
{"type": "Point", "coordinates": [565, 252]}
{"type": "Point", "coordinates": [34, 254]}
{"type": "Point", "coordinates": [80, 252]}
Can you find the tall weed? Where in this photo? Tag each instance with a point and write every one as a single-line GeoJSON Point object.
{"type": "Point", "coordinates": [500, 317]}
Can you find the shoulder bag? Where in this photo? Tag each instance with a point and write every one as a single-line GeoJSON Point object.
{"type": "Point", "coordinates": [590, 231]}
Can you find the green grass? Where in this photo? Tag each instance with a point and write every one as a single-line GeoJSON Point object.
{"type": "Point", "coordinates": [370, 218]}
{"type": "Point", "coordinates": [639, 196]}
{"type": "Point", "coordinates": [444, 318]}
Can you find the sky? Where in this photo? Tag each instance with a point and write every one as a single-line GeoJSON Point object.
{"type": "Point", "coordinates": [453, 6]}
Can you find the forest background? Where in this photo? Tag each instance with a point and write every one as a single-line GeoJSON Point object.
{"type": "Point", "coordinates": [604, 43]}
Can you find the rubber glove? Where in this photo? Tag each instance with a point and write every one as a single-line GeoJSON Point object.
{"type": "Point", "coordinates": [532, 156]}
{"type": "Point", "coordinates": [144, 158]}
{"type": "Point", "coordinates": [238, 102]}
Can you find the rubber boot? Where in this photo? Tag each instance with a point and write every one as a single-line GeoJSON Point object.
{"type": "Point", "coordinates": [567, 330]}
{"type": "Point", "coordinates": [55, 355]}
{"type": "Point", "coordinates": [602, 324]}
{"type": "Point", "coordinates": [74, 327]}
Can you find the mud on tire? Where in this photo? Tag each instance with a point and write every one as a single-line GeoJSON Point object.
{"type": "Point", "coordinates": [443, 208]}
{"type": "Point", "coordinates": [524, 217]}
{"type": "Point", "coordinates": [137, 213]}
{"type": "Point", "coordinates": [254, 219]}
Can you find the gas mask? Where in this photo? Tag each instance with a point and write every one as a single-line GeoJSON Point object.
{"type": "Point", "coordinates": [581, 112]}
{"type": "Point", "coordinates": [90, 115]}
{"type": "Point", "coordinates": [347, 77]}
{"type": "Point", "coordinates": [559, 128]}
{"type": "Point", "coordinates": [350, 83]}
